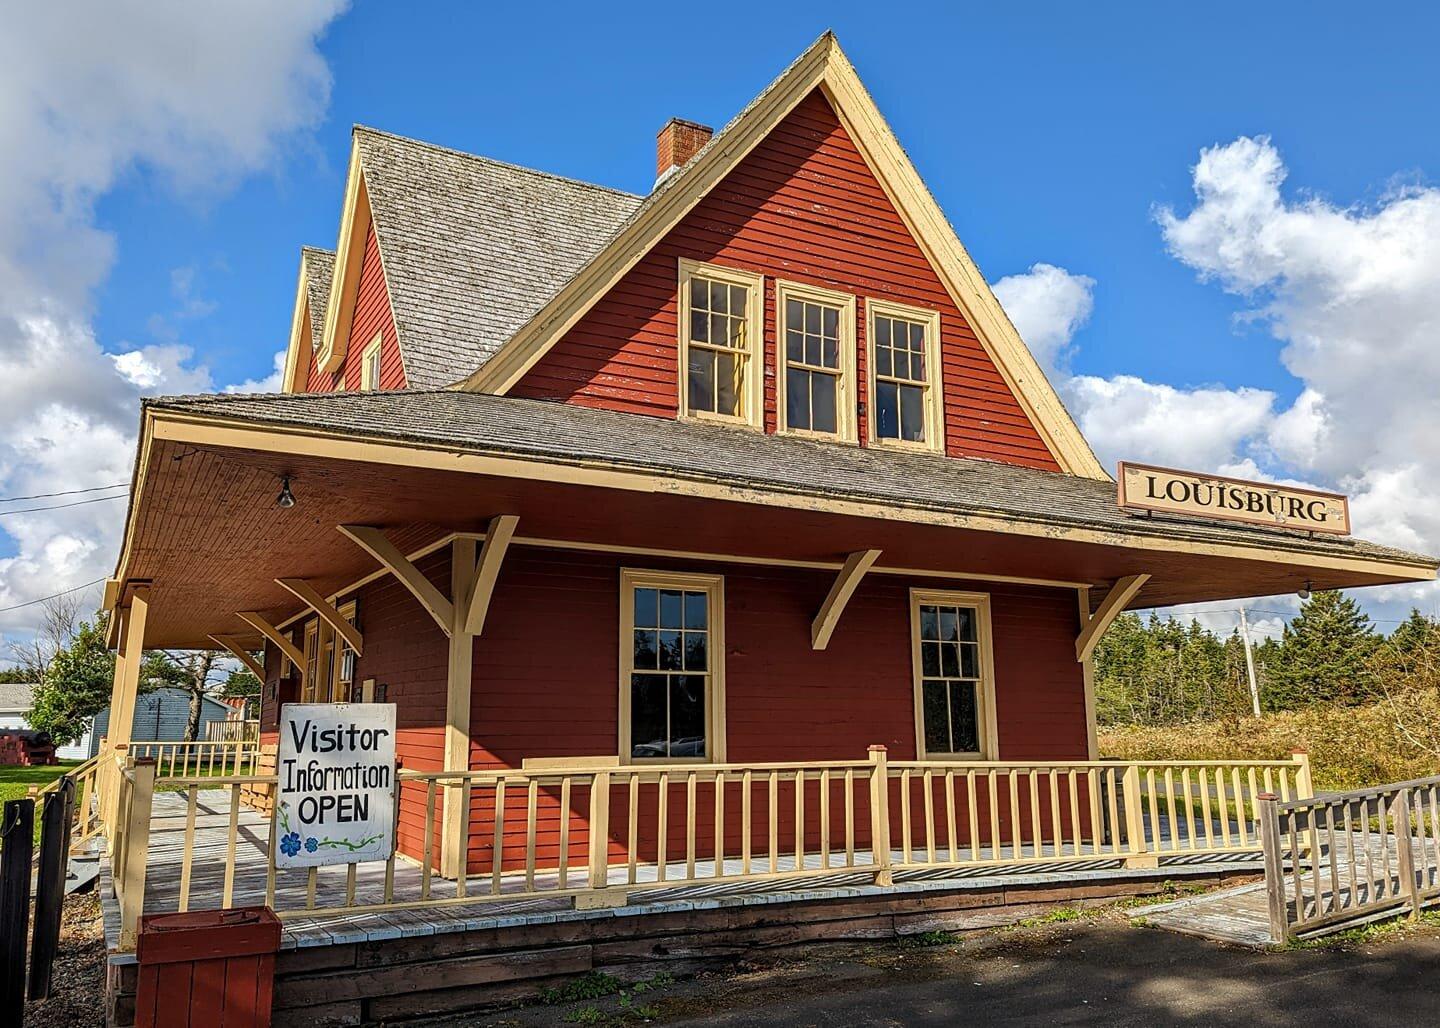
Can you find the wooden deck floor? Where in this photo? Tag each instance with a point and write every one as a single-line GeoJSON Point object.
{"type": "Point", "coordinates": [1241, 915]}
{"type": "Point", "coordinates": [482, 910]}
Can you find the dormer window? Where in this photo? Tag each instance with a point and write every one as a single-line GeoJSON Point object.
{"type": "Point", "coordinates": [720, 366]}
{"type": "Point", "coordinates": [370, 364]}
{"type": "Point", "coordinates": [904, 359]}
{"type": "Point", "coordinates": [815, 335]}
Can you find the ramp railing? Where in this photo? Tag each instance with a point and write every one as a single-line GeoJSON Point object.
{"type": "Point", "coordinates": [1342, 859]}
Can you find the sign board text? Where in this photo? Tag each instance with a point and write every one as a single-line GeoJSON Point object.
{"type": "Point", "coordinates": [1167, 491]}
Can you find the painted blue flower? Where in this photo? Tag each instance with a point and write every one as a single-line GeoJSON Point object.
{"type": "Point", "coordinates": [290, 844]}
{"type": "Point", "coordinates": [311, 844]}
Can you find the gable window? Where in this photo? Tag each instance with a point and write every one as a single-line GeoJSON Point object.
{"type": "Point", "coordinates": [672, 653]}
{"type": "Point", "coordinates": [903, 350]}
{"type": "Point", "coordinates": [816, 345]}
{"type": "Point", "coordinates": [954, 677]}
{"type": "Point", "coordinates": [370, 364]}
{"type": "Point", "coordinates": [720, 368]}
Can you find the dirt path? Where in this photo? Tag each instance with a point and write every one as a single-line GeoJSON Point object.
{"type": "Point", "coordinates": [77, 993]}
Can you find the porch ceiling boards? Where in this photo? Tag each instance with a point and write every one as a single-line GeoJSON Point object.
{"type": "Point", "coordinates": [205, 528]}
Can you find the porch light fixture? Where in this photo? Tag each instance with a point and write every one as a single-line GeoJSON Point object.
{"type": "Point", "coordinates": [286, 499]}
{"type": "Point", "coordinates": [1304, 592]}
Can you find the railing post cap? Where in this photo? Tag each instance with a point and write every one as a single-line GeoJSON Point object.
{"type": "Point", "coordinates": [879, 748]}
{"type": "Point", "coordinates": [1266, 796]}
{"type": "Point", "coordinates": [1299, 751]}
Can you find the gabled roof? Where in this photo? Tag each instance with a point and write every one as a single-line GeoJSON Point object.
{"type": "Point", "coordinates": [319, 267]}
{"type": "Point", "coordinates": [473, 247]}
{"type": "Point", "coordinates": [824, 67]}
{"type": "Point", "coordinates": [307, 324]}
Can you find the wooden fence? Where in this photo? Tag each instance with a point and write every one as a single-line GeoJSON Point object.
{"type": "Point", "coordinates": [1342, 859]}
{"type": "Point", "coordinates": [232, 731]}
{"type": "Point", "coordinates": [595, 835]}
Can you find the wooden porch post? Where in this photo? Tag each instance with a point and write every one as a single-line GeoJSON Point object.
{"type": "Point", "coordinates": [455, 822]}
{"type": "Point", "coordinates": [128, 658]}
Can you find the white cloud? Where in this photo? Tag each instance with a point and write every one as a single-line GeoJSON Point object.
{"type": "Point", "coordinates": [196, 95]}
{"type": "Point", "coordinates": [269, 384]}
{"type": "Point", "coordinates": [1048, 305]}
{"type": "Point", "coordinates": [1352, 293]}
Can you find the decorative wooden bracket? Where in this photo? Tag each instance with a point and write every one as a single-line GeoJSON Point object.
{"type": "Point", "coordinates": [241, 654]}
{"type": "Point", "coordinates": [374, 542]}
{"type": "Point", "coordinates": [1120, 594]}
{"type": "Point", "coordinates": [269, 631]}
{"type": "Point", "coordinates": [846, 582]}
{"type": "Point", "coordinates": [310, 596]}
{"type": "Point", "coordinates": [497, 541]}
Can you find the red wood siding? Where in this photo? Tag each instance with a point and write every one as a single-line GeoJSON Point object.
{"type": "Point", "coordinates": [802, 206]}
{"type": "Point", "coordinates": [372, 314]}
{"type": "Point", "coordinates": [546, 676]}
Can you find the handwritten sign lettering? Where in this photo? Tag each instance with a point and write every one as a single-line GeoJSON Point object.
{"type": "Point", "coordinates": [1163, 490]}
{"type": "Point", "coordinates": [336, 765]}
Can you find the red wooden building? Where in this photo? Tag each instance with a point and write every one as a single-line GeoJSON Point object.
{"type": "Point", "coordinates": [749, 469]}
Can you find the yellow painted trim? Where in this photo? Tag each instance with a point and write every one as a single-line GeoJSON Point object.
{"type": "Point", "coordinates": [825, 66]}
{"type": "Point", "coordinates": [126, 683]}
{"type": "Point", "coordinates": [497, 541]}
{"type": "Point", "coordinates": [1116, 600]}
{"type": "Point", "coordinates": [374, 542]}
{"type": "Point", "coordinates": [282, 642]}
{"type": "Point", "coordinates": [752, 390]}
{"type": "Point", "coordinates": [714, 586]}
{"type": "Point", "coordinates": [297, 352]}
{"type": "Point", "coordinates": [349, 256]}
{"type": "Point", "coordinates": [847, 396]}
{"type": "Point", "coordinates": [302, 440]}
{"type": "Point", "coordinates": [111, 594]}
{"type": "Point", "coordinates": [697, 555]}
{"type": "Point", "coordinates": [934, 441]}
{"type": "Point", "coordinates": [370, 381]}
{"type": "Point", "coordinates": [241, 654]}
{"type": "Point", "coordinates": [987, 721]}
{"type": "Point", "coordinates": [310, 596]}
{"type": "Point", "coordinates": [846, 582]}
{"type": "Point", "coordinates": [459, 679]}
{"type": "Point", "coordinates": [1092, 729]}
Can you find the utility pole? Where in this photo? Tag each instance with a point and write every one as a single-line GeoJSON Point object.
{"type": "Point", "coordinates": [1250, 663]}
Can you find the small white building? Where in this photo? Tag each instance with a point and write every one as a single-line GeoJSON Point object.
{"type": "Point", "coordinates": [16, 699]}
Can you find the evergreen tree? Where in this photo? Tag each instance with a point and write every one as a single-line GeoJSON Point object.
{"type": "Point", "coordinates": [1322, 654]}
{"type": "Point", "coordinates": [1414, 632]}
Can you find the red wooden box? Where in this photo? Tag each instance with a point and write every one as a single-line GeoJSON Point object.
{"type": "Point", "coordinates": [207, 967]}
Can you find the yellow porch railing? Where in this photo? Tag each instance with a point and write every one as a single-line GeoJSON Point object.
{"type": "Point", "coordinates": [592, 836]}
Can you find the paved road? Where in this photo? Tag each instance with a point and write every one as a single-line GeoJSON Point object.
{"type": "Point", "coordinates": [1100, 974]}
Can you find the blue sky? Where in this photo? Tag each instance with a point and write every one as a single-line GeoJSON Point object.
{"type": "Point", "coordinates": [1046, 131]}
{"type": "Point", "coordinates": [165, 165]}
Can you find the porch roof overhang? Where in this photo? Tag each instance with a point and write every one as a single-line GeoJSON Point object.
{"type": "Point", "coordinates": [204, 528]}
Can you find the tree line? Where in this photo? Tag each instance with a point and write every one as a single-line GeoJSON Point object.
{"type": "Point", "coordinates": [1163, 671]}
{"type": "Point", "coordinates": [73, 672]}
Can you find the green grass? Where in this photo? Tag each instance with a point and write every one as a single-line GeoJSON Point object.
{"type": "Point", "coordinates": [1375, 931]}
{"type": "Point", "coordinates": [15, 782]}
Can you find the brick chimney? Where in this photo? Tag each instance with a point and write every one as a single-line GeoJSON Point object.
{"type": "Point", "coordinates": [677, 142]}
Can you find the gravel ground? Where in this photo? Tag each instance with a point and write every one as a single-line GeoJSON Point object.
{"type": "Point", "coordinates": [77, 990]}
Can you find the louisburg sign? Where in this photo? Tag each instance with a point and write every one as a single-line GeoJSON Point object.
{"type": "Point", "coordinates": [1167, 491]}
{"type": "Point", "coordinates": [336, 802]}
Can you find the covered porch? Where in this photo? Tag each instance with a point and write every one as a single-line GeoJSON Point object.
{"type": "Point", "coordinates": [893, 690]}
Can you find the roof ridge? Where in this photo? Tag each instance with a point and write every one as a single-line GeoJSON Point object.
{"type": "Point", "coordinates": [177, 398]}
{"type": "Point", "coordinates": [358, 127]}
{"type": "Point", "coordinates": [317, 249]}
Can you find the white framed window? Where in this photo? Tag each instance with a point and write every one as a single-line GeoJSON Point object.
{"type": "Point", "coordinates": [815, 351]}
{"type": "Point", "coordinates": [720, 331]}
{"type": "Point", "coordinates": [370, 363]}
{"type": "Point", "coordinates": [902, 349]}
{"type": "Point", "coordinates": [954, 675]}
{"type": "Point", "coordinates": [672, 666]}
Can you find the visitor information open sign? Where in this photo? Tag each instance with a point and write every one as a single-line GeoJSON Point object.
{"type": "Point", "coordinates": [336, 799]}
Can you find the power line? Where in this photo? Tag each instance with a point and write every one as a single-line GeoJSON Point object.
{"type": "Point", "coordinates": [53, 596]}
{"type": "Point", "coordinates": [65, 492]}
{"type": "Point", "coordinates": [59, 506]}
